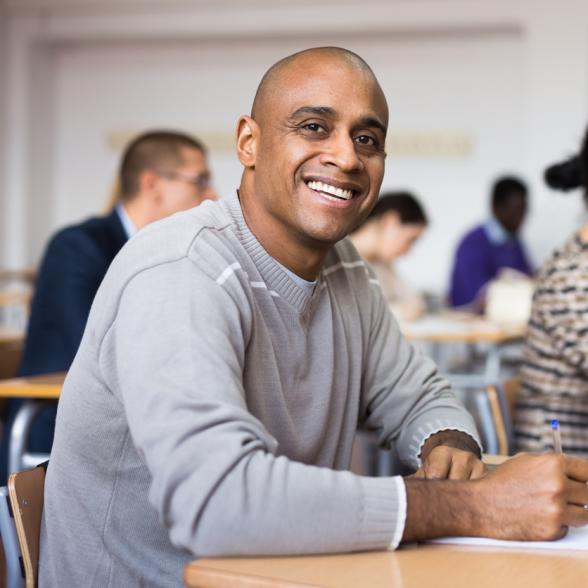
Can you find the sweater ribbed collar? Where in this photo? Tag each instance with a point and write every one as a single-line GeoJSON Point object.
{"type": "Point", "coordinates": [273, 275]}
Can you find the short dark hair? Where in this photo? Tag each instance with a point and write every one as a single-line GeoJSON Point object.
{"type": "Point", "coordinates": [584, 162]}
{"type": "Point", "coordinates": [506, 187]}
{"type": "Point", "coordinates": [571, 173]}
{"type": "Point", "coordinates": [408, 208]}
{"type": "Point", "coordinates": [152, 150]}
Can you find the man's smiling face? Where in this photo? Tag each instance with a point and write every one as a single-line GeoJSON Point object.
{"type": "Point", "coordinates": [319, 158]}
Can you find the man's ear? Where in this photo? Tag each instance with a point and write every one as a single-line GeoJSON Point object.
{"type": "Point", "coordinates": [390, 219]}
{"type": "Point", "coordinates": [247, 141]}
{"type": "Point", "coordinates": [148, 182]}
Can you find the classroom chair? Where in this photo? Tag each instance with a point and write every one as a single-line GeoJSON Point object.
{"type": "Point", "coordinates": [26, 491]}
{"type": "Point", "coordinates": [18, 457]}
{"type": "Point", "coordinates": [501, 400]}
{"type": "Point", "coordinates": [12, 572]}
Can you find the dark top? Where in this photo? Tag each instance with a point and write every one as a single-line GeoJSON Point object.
{"type": "Point", "coordinates": [478, 260]}
{"type": "Point", "coordinates": [72, 268]}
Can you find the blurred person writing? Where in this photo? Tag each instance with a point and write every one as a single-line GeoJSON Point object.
{"type": "Point", "coordinates": [161, 172]}
{"type": "Point", "coordinates": [394, 225]}
{"type": "Point", "coordinates": [489, 247]}
{"type": "Point", "coordinates": [554, 371]}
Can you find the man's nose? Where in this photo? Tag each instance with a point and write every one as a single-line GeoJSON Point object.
{"type": "Point", "coordinates": [341, 151]}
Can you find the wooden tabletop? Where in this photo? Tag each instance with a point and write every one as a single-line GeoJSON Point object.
{"type": "Point", "coordinates": [45, 386]}
{"type": "Point", "coordinates": [10, 336]}
{"type": "Point", "coordinates": [430, 566]}
{"type": "Point", "coordinates": [15, 298]}
{"type": "Point", "coordinates": [21, 275]}
{"type": "Point", "coordinates": [460, 327]}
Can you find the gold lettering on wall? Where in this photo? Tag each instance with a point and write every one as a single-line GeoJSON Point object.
{"type": "Point", "coordinates": [117, 139]}
{"type": "Point", "coordinates": [414, 144]}
{"type": "Point", "coordinates": [429, 144]}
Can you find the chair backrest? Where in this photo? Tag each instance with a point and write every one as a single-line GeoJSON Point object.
{"type": "Point", "coordinates": [502, 399]}
{"type": "Point", "coordinates": [12, 570]}
{"type": "Point", "coordinates": [26, 490]}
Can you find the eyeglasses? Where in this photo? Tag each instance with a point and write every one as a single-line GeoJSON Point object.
{"type": "Point", "coordinates": [201, 181]}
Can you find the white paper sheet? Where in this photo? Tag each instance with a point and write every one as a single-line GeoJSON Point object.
{"type": "Point", "coordinates": [576, 539]}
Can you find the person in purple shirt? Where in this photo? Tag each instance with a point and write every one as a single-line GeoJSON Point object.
{"type": "Point", "coordinates": [494, 245]}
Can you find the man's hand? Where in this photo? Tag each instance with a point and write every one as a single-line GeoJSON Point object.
{"type": "Point", "coordinates": [450, 455]}
{"type": "Point", "coordinates": [537, 497]}
{"type": "Point", "coordinates": [529, 498]}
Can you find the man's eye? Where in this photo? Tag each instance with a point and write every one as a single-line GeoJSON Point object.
{"type": "Point", "coordinates": [367, 140]}
{"type": "Point", "coordinates": [313, 127]}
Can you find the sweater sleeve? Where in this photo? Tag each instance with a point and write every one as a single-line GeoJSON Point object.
{"type": "Point", "coordinates": [218, 484]}
{"type": "Point", "coordinates": [405, 400]}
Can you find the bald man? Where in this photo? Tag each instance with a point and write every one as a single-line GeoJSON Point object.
{"type": "Point", "coordinates": [232, 352]}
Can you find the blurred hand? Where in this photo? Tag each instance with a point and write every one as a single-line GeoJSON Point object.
{"type": "Point", "coordinates": [445, 462]}
{"type": "Point", "coordinates": [450, 455]}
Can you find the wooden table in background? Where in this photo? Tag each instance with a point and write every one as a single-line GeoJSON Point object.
{"type": "Point", "coordinates": [440, 335]}
{"type": "Point", "coordinates": [11, 347]}
{"type": "Point", "coordinates": [46, 387]}
{"type": "Point", "coordinates": [428, 566]}
{"type": "Point", "coordinates": [11, 336]}
{"type": "Point", "coordinates": [439, 332]}
{"type": "Point", "coordinates": [36, 390]}
{"type": "Point", "coordinates": [461, 327]}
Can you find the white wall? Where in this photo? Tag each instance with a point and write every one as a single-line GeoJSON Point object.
{"type": "Point", "coordinates": [506, 82]}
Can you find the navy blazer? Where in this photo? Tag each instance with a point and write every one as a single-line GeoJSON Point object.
{"type": "Point", "coordinates": [74, 264]}
{"type": "Point", "coordinates": [70, 273]}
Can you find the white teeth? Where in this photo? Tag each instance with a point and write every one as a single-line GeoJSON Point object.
{"type": "Point", "coordinates": [328, 189]}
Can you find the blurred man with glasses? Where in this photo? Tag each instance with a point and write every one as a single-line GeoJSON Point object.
{"type": "Point", "coordinates": [161, 172]}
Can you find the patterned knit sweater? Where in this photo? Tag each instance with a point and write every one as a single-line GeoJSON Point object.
{"type": "Point", "coordinates": [554, 376]}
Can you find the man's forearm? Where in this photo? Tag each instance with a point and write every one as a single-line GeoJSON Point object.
{"type": "Point", "coordinates": [437, 508]}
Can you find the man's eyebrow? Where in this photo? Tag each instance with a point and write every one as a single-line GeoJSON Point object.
{"type": "Point", "coordinates": [316, 110]}
{"type": "Point", "coordinates": [366, 121]}
{"type": "Point", "coordinates": [370, 121]}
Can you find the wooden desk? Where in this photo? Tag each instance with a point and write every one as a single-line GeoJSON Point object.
{"type": "Point", "coordinates": [461, 327]}
{"type": "Point", "coordinates": [15, 298]}
{"type": "Point", "coordinates": [27, 276]}
{"type": "Point", "coordinates": [11, 348]}
{"type": "Point", "coordinates": [37, 390]}
{"type": "Point", "coordinates": [428, 566]}
{"type": "Point", "coordinates": [11, 336]}
{"type": "Point", "coordinates": [46, 387]}
{"type": "Point", "coordinates": [441, 334]}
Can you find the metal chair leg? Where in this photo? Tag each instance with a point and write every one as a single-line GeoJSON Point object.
{"type": "Point", "coordinates": [19, 434]}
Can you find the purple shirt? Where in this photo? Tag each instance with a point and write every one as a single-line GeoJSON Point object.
{"type": "Point", "coordinates": [478, 260]}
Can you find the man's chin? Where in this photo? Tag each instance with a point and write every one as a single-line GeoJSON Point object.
{"type": "Point", "coordinates": [326, 239]}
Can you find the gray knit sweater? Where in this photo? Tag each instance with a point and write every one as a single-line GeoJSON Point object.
{"type": "Point", "coordinates": [212, 406]}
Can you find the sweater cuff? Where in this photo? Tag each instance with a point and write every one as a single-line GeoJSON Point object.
{"type": "Point", "coordinates": [401, 513]}
{"type": "Point", "coordinates": [436, 426]}
{"type": "Point", "coordinates": [384, 513]}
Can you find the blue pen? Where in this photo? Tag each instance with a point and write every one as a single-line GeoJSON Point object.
{"type": "Point", "coordinates": [556, 436]}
